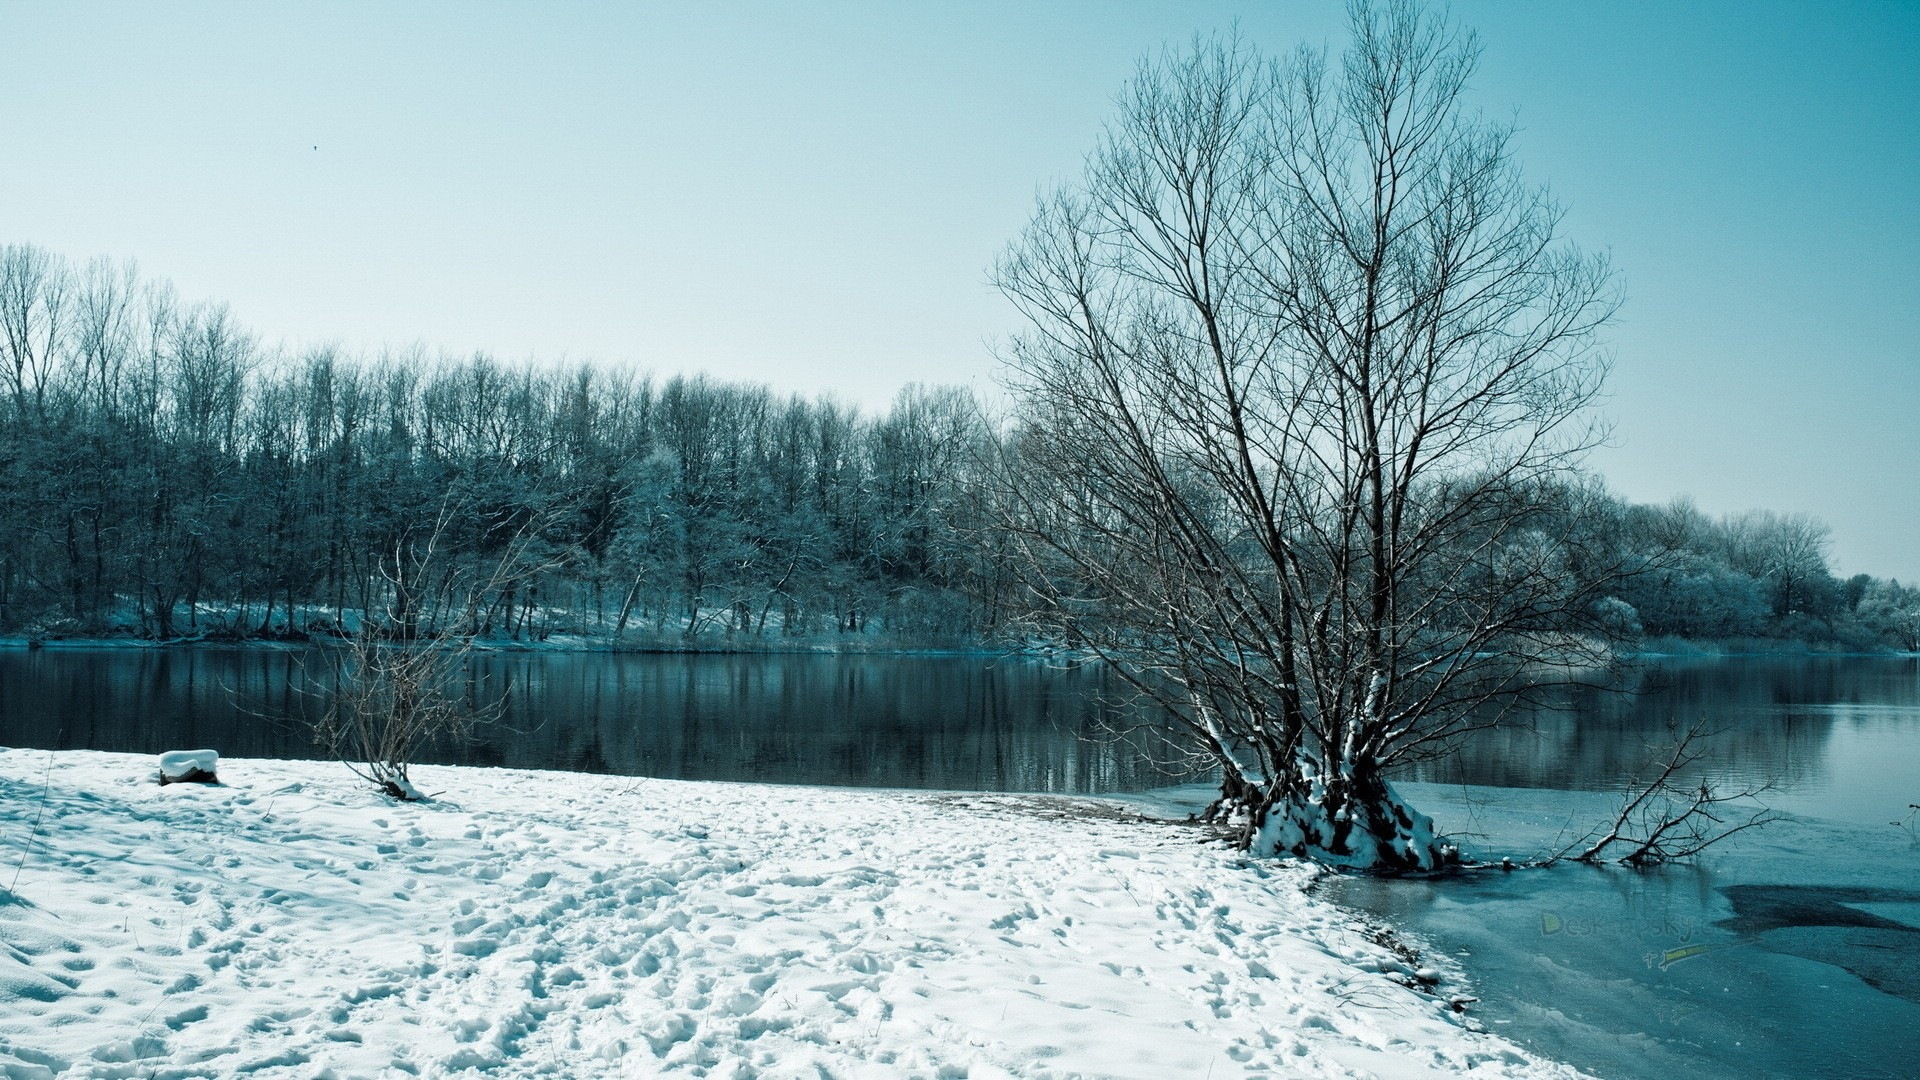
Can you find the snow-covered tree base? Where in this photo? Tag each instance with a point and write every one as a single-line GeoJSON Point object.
{"type": "Point", "coordinates": [393, 783]}
{"type": "Point", "coordinates": [1362, 825]}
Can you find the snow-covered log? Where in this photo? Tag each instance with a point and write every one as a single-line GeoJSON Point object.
{"type": "Point", "coordinates": [189, 767]}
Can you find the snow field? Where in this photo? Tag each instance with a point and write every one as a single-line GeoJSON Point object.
{"type": "Point", "coordinates": [291, 923]}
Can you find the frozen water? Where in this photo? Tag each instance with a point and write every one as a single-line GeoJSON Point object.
{"type": "Point", "coordinates": [1789, 953]}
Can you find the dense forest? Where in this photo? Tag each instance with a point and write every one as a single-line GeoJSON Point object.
{"type": "Point", "coordinates": [164, 474]}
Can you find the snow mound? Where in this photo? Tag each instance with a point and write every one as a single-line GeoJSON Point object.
{"type": "Point", "coordinates": [295, 923]}
{"type": "Point", "coordinates": [184, 766]}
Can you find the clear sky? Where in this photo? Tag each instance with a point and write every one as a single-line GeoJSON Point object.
{"type": "Point", "coordinates": [809, 195]}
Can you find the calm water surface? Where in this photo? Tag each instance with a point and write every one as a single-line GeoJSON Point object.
{"type": "Point", "coordinates": [1836, 737]}
{"type": "Point", "coordinates": [945, 722]}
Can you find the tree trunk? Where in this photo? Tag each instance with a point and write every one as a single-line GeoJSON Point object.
{"type": "Point", "coordinates": [626, 608]}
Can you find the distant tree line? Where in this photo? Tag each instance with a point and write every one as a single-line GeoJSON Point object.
{"type": "Point", "coordinates": [166, 475]}
{"type": "Point", "coordinates": [1758, 574]}
{"type": "Point", "coordinates": [163, 474]}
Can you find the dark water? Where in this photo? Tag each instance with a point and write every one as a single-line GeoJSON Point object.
{"type": "Point", "coordinates": [945, 722]}
{"type": "Point", "coordinates": [1839, 737]}
{"type": "Point", "coordinates": [1834, 736]}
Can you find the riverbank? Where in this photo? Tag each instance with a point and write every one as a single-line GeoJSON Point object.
{"type": "Point", "coordinates": [1665, 649]}
{"type": "Point", "coordinates": [291, 923]}
{"type": "Point", "coordinates": [637, 644]}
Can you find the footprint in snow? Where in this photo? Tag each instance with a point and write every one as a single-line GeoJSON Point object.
{"type": "Point", "coordinates": [181, 1019]}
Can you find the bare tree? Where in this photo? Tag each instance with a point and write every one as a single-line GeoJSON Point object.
{"type": "Point", "coordinates": [35, 286]}
{"type": "Point", "coordinates": [1788, 552]}
{"type": "Point", "coordinates": [1304, 380]}
{"type": "Point", "coordinates": [392, 691]}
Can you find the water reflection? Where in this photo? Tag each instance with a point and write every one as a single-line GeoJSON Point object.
{"type": "Point", "coordinates": [1835, 730]}
{"type": "Point", "coordinates": [1776, 721]}
{"type": "Point", "coordinates": [971, 722]}
{"type": "Point", "coordinates": [892, 722]}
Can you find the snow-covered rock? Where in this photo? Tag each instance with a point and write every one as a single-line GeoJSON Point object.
{"type": "Point", "coordinates": [296, 923]}
{"type": "Point", "coordinates": [189, 766]}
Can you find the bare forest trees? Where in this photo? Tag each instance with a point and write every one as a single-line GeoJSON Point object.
{"type": "Point", "coordinates": [1304, 381]}
{"type": "Point", "coordinates": [165, 474]}
{"type": "Point", "coordinates": [1787, 552]}
{"type": "Point", "coordinates": [35, 288]}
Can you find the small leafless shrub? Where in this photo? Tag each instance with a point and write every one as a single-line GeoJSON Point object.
{"type": "Point", "coordinates": [396, 688]}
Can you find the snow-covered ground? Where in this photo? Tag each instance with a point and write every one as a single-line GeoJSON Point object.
{"type": "Point", "coordinates": [292, 923]}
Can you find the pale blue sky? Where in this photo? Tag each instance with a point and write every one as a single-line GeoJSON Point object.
{"type": "Point", "coordinates": [809, 195]}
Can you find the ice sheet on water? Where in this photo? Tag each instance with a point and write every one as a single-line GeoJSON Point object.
{"type": "Point", "coordinates": [1782, 954]}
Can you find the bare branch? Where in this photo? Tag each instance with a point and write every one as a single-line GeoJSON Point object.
{"type": "Point", "coordinates": [1665, 819]}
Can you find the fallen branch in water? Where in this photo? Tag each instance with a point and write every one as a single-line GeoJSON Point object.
{"type": "Point", "coordinates": [1665, 820]}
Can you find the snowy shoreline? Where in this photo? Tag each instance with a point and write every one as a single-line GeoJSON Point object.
{"type": "Point", "coordinates": [290, 923]}
{"type": "Point", "coordinates": [572, 644]}
{"type": "Point", "coordinates": [568, 644]}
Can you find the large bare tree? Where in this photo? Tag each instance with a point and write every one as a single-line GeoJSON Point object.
{"type": "Point", "coordinates": [1301, 393]}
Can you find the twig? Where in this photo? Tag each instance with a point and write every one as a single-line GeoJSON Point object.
{"type": "Point", "coordinates": [46, 783]}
